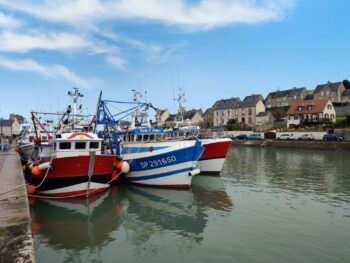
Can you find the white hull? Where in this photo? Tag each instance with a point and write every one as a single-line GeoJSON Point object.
{"type": "Point", "coordinates": [77, 189]}
{"type": "Point", "coordinates": [211, 166]}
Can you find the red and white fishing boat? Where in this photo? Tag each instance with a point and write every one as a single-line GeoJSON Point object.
{"type": "Point", "coordinates": [76, 168]}
{"type": "Point", "coordinates": [214, 155]}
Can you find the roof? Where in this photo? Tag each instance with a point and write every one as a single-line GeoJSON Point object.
{"type": "Point", "coordinates": [342, 111]}
{"type": "Point", "coordinates": [318, 106]}
{"type": "Point", "coordinates": [263, 114]}
{"type": "Point", "coordinates": [253, 97]}
{"type": "Point", "coordinates": [225, 104]}
{"type": "Point", "coordinates": [332, 86]}
{"type": "Point", "coordinates": [245, 104]}
{"type": "Point", "coordinates": [286, 93]}
{"type": "Point", "coordinates": [346, 93]}
{"type": "Point", "coordinates": [190, 114]}
{"type": "Point", "coordinates": [6, 122]}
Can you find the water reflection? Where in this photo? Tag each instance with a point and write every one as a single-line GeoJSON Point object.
{"type": "Point", "coordinates": [303, 171]}
{"type": "Point", "coordinates": [138, 216]}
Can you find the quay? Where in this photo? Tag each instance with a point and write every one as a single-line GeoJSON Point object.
{"type": "Point", "coordinates": [16, 243]}
{"type": "Point", "coordinates": [312, 145]}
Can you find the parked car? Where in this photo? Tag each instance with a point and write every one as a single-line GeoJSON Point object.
{"type": "Point", "coordinates": [254, 136]}
{"type": "Point", "coordinates": [286, 136]}
{"type": "Point", "coordinates": [307, 137]}
{"type": "Point", "coordinates": [241, 137]}
{"type": "Point", "coordinates": [332, 137]}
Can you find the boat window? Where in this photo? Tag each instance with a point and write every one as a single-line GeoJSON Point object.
{"type": "Point", "coordinates": [124, 138]}
{"type": "Point", "coordinates": [80, 145]}
{"type": "Point", "coordinates": [44, 138]}
{"type": "Point", "coordinates": [65, 145]}
{"type": "Point", "coordinates": [94, 145]}
{"type": "Point", "coordinates": [31, 138]}
{"type": "Point", "coordinates": [54, 146]}
{"type": "Point", "coordinates": [145, 137]}
{"type": "Point", "coordinates": [151, 137]}
{"type": "Point", "coordinates": [130, 138]}
{"type": "Point", "coordinates": [139, 138]}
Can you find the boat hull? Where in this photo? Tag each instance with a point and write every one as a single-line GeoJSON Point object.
{"type": "Point", "coordinates": [162, 164]}
{"type": "Point", "coordinates": [69, 176]}
{"type": "Point", "coordinates": [214, 155]}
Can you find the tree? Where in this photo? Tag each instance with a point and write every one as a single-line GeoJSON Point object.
{"type": "Point", "coordinates": [346, 83]}
{"type": "Point", "coordinates": [230, 124]}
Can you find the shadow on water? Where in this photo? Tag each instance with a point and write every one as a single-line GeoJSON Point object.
{"type": "Point", "coordinates": [134, 215]}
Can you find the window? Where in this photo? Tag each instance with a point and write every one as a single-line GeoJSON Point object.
{"type": "Point", "coordinates": [139, 138]}
{"type": "Point", "coordinates": [329, 106]}
{"type": "Point", "coordinates": [309, 107]}
{"type": "Point", "coordinates": [228, 113]}
{"type": "Point", "coordinates": [65, 145]}
{"type": "Point", "coordinates": [151, 137]}
{"type": "Point", "coordinates": [145, 137]}
{"type": "Point", "coordinates": [249, 111]}
{"type": "Point", "coordinates": [299, 108]}
{"type": "Point", "coordinates": [322, 93]}
{"type": "Point", "coordinates": [236, 112]}
{"type": "Point", "coordinates": [250, 120]}
{"type": "Point", "coordinates": [327, 92]}
{"type": "Point", "coordinates": [217, 113]}
{"type": "Point", "coordinates": [326, 116]}
{"type": "Point", "coordinates": [243, 111]}
{"type": "Point", "coordinates": [295, 117]}
{"type": "Point", "coordinates": [332, 116]}
{"type": "Point", "coordinates": [295, 97]}
{"type": "Point", "coordinates": [80, 145]}
{"type": "Point", "coordinates": [94, 145]}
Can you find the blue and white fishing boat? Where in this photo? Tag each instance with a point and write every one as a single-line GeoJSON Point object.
{"type": "Point", "coordinates": [153, 160]}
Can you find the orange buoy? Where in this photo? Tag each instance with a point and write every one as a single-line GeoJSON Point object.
{"type": "Point", "coordinates": [30, 189]}
{"type": "Point", "coordinates": [36, 227]}
{"type": "Point", "coordinates": [24, 167]}
{"type": "Point", "coordinates": [36, 171]}
{"type": "Point", "coordinates": [119, 165]}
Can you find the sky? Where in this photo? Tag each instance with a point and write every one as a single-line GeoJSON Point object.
{"type": "Point", "coordinates": [211, 49]}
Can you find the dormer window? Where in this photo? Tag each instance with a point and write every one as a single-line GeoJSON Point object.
{"type": "Point", "coordinates": [299, 108]}
{"type": "Point", "coordinates": [329, 106]}
{"type": "Point", "coordinates": [309, 107]}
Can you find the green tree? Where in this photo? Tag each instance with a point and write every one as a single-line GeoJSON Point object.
{"type": "Point", "coordinates": [230, 124]}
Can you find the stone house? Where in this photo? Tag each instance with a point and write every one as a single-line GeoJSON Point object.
{"type": "Point", "coordinates": [6, 128]}
{"type": "Point", "coordinates": [161, 117]}
{"type": "Point", "coordinates": [208, 117]}
{"type": "Point", "coordinates": [345, 96]}
{"type": "Point", "coordinates": [194, 116]}
{"type": "Point", "coordinates": [264, 118]}
{"type": "Point", "coordinates": [245, 112]}
{"type": "Point", "coordinates": [284, 98]}
{"type": "Point", "coordinates": [223, 111]}
{"type": "Point", "coordinates": [317, 112]}
{"type": "Point", "coordinates": [332, 91]}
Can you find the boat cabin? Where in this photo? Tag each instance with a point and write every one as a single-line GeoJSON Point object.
{"type": "Point", "coordinates": [76, 144]}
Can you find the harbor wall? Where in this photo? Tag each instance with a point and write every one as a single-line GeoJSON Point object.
{"type": "Point", "coordinates": [315, 145]}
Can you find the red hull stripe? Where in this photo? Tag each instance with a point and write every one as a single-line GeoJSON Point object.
{"type": "Point", "coordinates": [79, 166]}
{"type": "Point", "coordinates": [215, 150]}
{"type": "Point", "coordinates": [80, 134]}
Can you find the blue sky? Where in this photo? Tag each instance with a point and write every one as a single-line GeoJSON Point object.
{"type": "Point", "coordinates": [210, 49]}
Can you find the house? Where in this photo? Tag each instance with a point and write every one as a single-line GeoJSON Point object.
{"type": "Point", "coordinates": [317, 112]}
{"type": "Point", "coordinates": [161, 117]}
{"type": "Point", "coordinates": [254, 97]}
{"type": "Point", "coordinates": [223, 111]}
{"type": "Point", "coordinates": [245, 112]}
{"type": "Point", "coordinates": [345, 96]}
{"type": "Point", "coordinates": [208, 117]}
{"type": "Point", "coordinates": [264, 117]}
{"type": "Point", "coordinates": [6, 128]}
{"type": "Point", "coordinates": [194, 116]}
{"type": "Point", "coordinates": [284, 98]}
{"type": "Point", "coordinates": [332, 91]}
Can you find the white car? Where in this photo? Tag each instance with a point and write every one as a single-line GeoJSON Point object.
{"type": "Point", "coordinates": [286, 136]}
{"type": "Point", "coordinates": [307, 137]}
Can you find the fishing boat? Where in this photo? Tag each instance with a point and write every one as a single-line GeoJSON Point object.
{"type": "Point", "coordinates": [76, 165]}
{"type": "Point", "coordinates": [153, 160]}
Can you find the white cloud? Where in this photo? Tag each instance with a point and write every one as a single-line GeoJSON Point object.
{"type": "Point", "coordinates": [8, 22]}
{"type": "Point", "coordinates": [116, 62]}
{"type": "Point", "coordinates": [51, 71]}
{"type": "Point", "coordinates": [205, 14]}
{"type": "Point", "coordinates": [20, 42]}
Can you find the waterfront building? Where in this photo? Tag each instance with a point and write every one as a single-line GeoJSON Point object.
{"type": "Point", "coordinates": [332, 91]}
{"type": "Point", "coordinates": [345, 96]}
{"type": "Point", "coordinates": [9, 128]}
{"type": "Point", "coordinates": [316, 112]}
{"type": "Point", "coordinates": [223, 111]}
{"type": "Point", "coordinates": [161, 117]}
{"type": "Point", "coordinates": [284, 98]}
{"type": "Point", "coordinates": [208, 117]}
{"type": "Point", "coordinates": [264, 118]}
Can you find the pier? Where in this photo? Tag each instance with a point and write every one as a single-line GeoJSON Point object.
{"type": "Point", "coordinates": [16, 243]}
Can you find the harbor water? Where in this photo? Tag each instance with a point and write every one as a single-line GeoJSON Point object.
{"type": "Point", "coordinates": [268, 205]}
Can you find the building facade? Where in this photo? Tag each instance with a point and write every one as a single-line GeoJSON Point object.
{"type": "Point", "coordinates": [161, 117]}
{"type": "Point", "coordinates": [223, 111]}
{"type": "Point", "coordinates": [285, 98]}
{"type": "Point", "coordinates": [311, 113]}
{"type": "Point", "coordinates": [332, 91]}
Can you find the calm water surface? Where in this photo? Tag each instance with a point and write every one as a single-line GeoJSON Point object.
{"type": "Point", "coordinates": [268, 205]}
